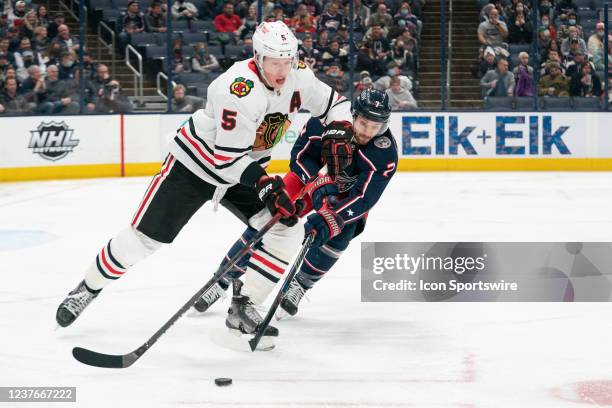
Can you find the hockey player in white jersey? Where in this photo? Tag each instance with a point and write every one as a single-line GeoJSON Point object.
{"type": "Point", "coordinates": [220, 154]}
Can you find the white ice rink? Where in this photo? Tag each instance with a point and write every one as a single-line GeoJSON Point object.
{"type": "Point", "coordinates": [339, 352]}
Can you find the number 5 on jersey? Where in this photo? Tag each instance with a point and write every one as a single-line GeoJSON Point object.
{"type": "Point", "coordinates": [228, 119]}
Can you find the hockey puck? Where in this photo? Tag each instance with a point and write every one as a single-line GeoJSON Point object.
{"type": "Point", "coordinates": [223, 382]}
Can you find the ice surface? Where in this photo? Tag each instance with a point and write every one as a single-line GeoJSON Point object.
{"type": "Point", "coordinates": [338, 352]}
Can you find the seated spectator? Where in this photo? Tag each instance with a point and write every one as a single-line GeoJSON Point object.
{"type": "Point", "coordinates": [227, 24]}
{"type": "Point", "coordinates": [53, 27]}
{"type": "Point", "coordinates": [58, 93]}
{"type": "Point", "coordinates": [488, 63]}
{"type": "Point", "coordinates": [334, 77]}
{"type": "Point", "coordinates": [573, 40]}
{"type": "Point", "coordinates": [101, 77]}
{"type": "Point", "coordinates": [499, 82]}
{"type": "Point", "coordinates": [307, 53]}
{"type": "Point", "coordinates": [545, 24]}
{"type": "Point", "coordinates": [54, 54]}
{"type": "Point", "coordinates": [314, 7]}
{"type": "Point", "coordinates": [585, 84]}
{"type": "Point", "coordinates": [4, 65]}
{"type": "Point", "coordinates": [130, 22]}
{"type": "Point", "coordinates": [493, 32]}
{"type": "Point", "coordinates": [185, 103]}
{"type": "Point", "coordinates": [359, 19]}
{"type": "Point", "coordinates": [12, 34]}
{"type": "Point", "coordinates": [303, 22]}
{"type": "Point", "coordinates": [381, 18]}
{"type": "Point", "coordinates": [40, 41]}
{"type": "Point", "coordinates": [110, 99]}
{"type": "Point", "coordinates": [28, 26]}
{"type": "Point", "coordinates": [564, 7]}
{"type": "Point", "coordinates": [330, 20]}
{"type": "Point", "coordinates": [367, 61]}
{"type": "Point", "coordinates": [400, 98]}
{"type": "Point", "coordinates": [566, 24]}
{"type": "Point", "coordinates": [523, 77]}
{"type": "Point", "coordinates": [210, 8]}
{"type": "Point", "coordinates": [521, 31]}
{"type": "Point", "coordinates": [384, 82]}
{"type": "Point", "coordinates": [24, 57]}
{"type": "Point", "coordinates": [410, 43]}
{"type": "Point", "coordinates": [596, 40]}
{"type": "Point", "coordinates": [42, 18]}
{"type": "Point", "coordinates": [598, 58]}
{"type": "Point", "coordinates": [35, 91]}
{"type": "Point", "coordinates": [185, 10]}
{"type": "Point", "coordinates": [203, 61]}
{"type": "Point", "coordinates": [11, 100]}
{"type": "Point", "coordinates": [65, 40]}
{"type": "Point", "coordinates": [334, 54]}
{"type": "Point", "coordinates": [554, 83]}
{"type": "Point", "coordinates": [278, 15]}
{"type": "Point", "coordinates": [573, 67]}
{"type": "Point", "coordinates": [156, 19]}
{"type": "Point", "coordinates": [406, 19]}
{"type": "Point", "coordinates": [402, 57]}
{"type": "Point", "coordinates": [67, 66]}
{"type": "Point", "coordinates": [380, 46]}
{"type": "Point", "coordinates": [16, 16]}
{"type": "Point", "coordinates": [553, 56]}
{"type": "Point", "coordinates": [90, 67]}
{"type": "Point", "coordinates": [88, 98]}
{"type": "Point", "coordinates": [249, 24]}
{"type": "Point", "coordinates": [289, 7]}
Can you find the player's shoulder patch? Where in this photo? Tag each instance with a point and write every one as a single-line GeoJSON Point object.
{"type": "Point", "coordinates": [382, 142]}
{"type": "Point", "coordinates": [302, 65]}
{"type": "Point", "coordinates": [241, 87]}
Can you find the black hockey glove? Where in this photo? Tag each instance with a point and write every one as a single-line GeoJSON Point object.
{"type": "Point", "coordinates": [271, 191]}
{"type": "Point", "coordinates": [325, 224]}
{"type": "Point", "coordinates": [337, 147]}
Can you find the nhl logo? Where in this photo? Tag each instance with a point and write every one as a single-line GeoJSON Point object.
{"type": "Point", "coordinates": [52, 140]}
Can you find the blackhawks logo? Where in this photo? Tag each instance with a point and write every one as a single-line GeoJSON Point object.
{"type": "Point", "coordinates": [241, 87]}
{"type": "Point", "coordinates": [301, 65]}
{"type": "Point", "coordinates": [271, 130]}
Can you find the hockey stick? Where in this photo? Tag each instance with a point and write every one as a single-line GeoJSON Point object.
{"type": "Point", "coordinates": [96, 359]}
{"type": "Point", "coordinates": [261, 328]}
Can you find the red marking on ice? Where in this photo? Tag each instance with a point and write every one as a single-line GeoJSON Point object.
{"type": "Point", "coordinates": [595, 392]}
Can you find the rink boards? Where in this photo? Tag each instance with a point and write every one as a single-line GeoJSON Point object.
{"type": "Point", "coordinates": [37, 147]}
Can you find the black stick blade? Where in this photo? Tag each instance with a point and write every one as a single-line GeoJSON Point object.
{"type": "Point", "coordinates": [95, 359]}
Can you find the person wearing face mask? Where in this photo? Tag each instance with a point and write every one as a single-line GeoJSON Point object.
{"type": "Point", "coordinates": [334, 77]}
{"type": "Point", "coordinates": [546, 25]}
{"type": "Point", "coordinates": [383, 83]}
{"type": "Point", "coordinates": [407, 19]}
{"type": "Point", "coordinates": [573, 38]}
{"type": "Point", "coordinates": [563, 8]}
{"type": "Point", "coordinates": [181, 102]}
{"type": "Point", "coordinates": [546, 10]}
{"type": "Point", "coordinates": [598, 57]}
{"type": "Point", "coordinates": [26, 57]}
{"type": "Point", "coordinates": [596, 40]}
{"type": "Point", "coordinates": [202, 61]}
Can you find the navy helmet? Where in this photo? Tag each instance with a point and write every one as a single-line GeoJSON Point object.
{"type": "Point", "coordinates": [373, 105]}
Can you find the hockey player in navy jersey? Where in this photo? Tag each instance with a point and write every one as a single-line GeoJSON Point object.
{"type": "Point", "coordinates": [361, 161]}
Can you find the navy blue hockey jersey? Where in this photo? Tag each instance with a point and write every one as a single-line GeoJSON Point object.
{"type": "Point", "coordinates": [362, 183]}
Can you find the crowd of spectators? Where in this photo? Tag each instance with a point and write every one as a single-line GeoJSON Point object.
{"type": "Point", "coordinates": [386, 37]}
{"type": "Point", "coordinates": [565, 60]}
{"type": "Point", "coordinates": [39, 71]}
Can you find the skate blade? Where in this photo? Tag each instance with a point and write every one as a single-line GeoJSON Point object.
{"type": "Point", "coordinates": [235, 340]}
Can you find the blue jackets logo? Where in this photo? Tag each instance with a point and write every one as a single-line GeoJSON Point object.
{"type": "Point", "coordinates": [509, 135]}
{"type": "Point", "coordinates": [52, 140]}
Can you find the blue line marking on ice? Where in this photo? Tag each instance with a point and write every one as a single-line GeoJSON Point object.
{"type": "Point", "coordinates": [20, 239]}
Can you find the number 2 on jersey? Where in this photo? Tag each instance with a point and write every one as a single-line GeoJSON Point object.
{"type": "Point", "coordinates": [228, 119]}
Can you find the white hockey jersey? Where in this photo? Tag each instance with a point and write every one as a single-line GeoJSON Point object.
{"type": "Point", "coordinates": [230, 140]}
